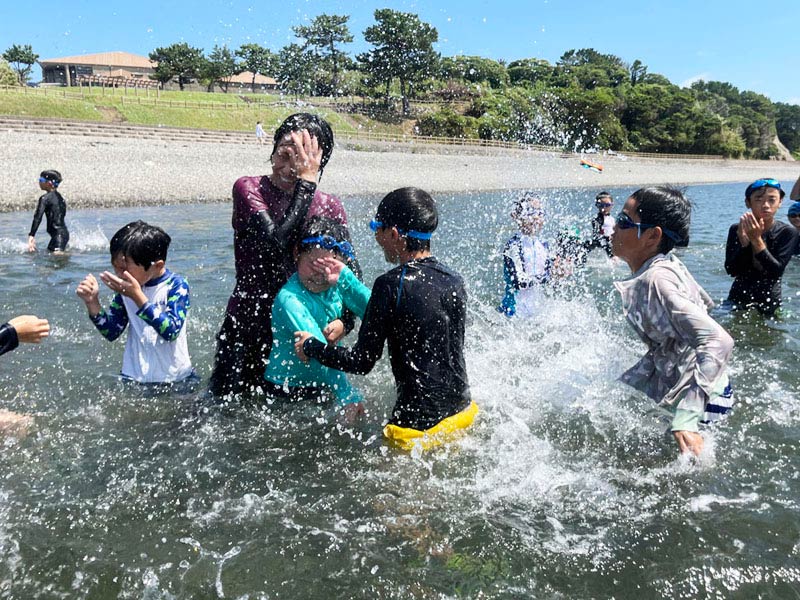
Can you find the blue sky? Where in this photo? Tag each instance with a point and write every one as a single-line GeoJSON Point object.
{"type": "Point", "coordinates": [753, 45]}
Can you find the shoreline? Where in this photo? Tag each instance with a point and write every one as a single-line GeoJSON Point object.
{"type": "Point", "coordinates": [103, 172]}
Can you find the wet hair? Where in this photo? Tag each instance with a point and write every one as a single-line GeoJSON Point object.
{"type": "Point", "coordinates": [319, 226]}
{"type": "Point", "coordinates": [602, 195]}
{"type": "Point", "coordinates": [52, 176]}
{"type": "Point", "coordinates": [794, 209]}
{"type": "Point", "coordinates": [144, 244]}
{"type": "Point", "coordinates": [316, 126]}
{"type": "Point", "coordinates": [667, 207]}
{"type": "Point", "coordinates": [525, 204]}
{"type": "Point", "coordinates": [409, 209]}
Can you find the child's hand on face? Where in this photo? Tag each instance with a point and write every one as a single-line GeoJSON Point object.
{"type": "Point", "coordinates": [126, 286]}
{"type": "Point", "coordinates": [328, 268]}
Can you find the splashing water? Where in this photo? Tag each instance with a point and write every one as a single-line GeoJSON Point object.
{"type": "Point", "coordinates": [568, 485]}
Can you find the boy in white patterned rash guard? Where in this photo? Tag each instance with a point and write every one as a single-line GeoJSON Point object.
{"type": "Point", "coordinates": [685, 368]}
{"type": "Point", "coordinates": [149, 297]}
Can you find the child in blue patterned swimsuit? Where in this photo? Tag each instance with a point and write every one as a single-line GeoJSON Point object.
{"type": "Point", "coordinates": [149, 297]}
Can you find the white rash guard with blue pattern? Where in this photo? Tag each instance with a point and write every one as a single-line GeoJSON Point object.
{"type": "Point", "coordinates": [156, 349]}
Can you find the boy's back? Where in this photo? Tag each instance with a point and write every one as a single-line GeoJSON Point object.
{"type": "Point", "coordinates": [419, 308]}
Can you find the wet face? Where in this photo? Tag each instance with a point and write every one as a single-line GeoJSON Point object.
{"type": "Point", "coordinates": [764, 203]}
{"type": "Point", "coordinates": [530, 217]}
{"type": "Point", "coordinates": [284, 175]}
{"type": "Point", "coordinates": [139, 273]}
{"type": "Point", "coordinates": [605, 205]}
{"type": "Point", "coordinates": [312, 280]}
{"type": "Point", "coordinates": [627, 244]}
{"type": "Point", "coordinates": [389, 243]}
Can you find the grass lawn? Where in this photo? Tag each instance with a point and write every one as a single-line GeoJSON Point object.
{"type": "Point", "coordinates": [115, 106]}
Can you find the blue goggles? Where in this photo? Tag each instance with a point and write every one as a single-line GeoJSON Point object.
{"type": "Point", "coordinates": [46, 180]}
{"type": "Point", "coordinates": [327, 242]}
{"type": "Point", "coordinates": [418, 235]}
{"type": "Point", "coordinates": [625, 222]}
{"type": "Point", "coordinates": [763, 183]}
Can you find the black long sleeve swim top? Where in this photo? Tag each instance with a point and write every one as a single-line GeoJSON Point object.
{"type": "Point", "coordinates": [419, 308]}
{"type": "Point", "coordinates": [758, 276]}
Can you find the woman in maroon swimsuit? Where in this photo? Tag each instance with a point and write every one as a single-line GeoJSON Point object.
{"type": "Point", "coordinates": [269, 212]}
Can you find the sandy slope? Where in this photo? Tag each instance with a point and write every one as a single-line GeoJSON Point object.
{"type": "Point", "coordinates": [109, 171]}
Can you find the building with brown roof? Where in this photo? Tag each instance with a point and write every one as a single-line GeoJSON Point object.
{"type": "Point", "coordinates": [122, 66]}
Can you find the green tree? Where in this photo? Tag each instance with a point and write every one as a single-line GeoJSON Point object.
{"type": "Point", "coordinates": [530, 71]}
{"type": "Point", "coordinates": [591, 69]}
{"type": "Point", "coordinates": [219, 68]}
{"type": "Point", "coordinates": [7, 75]}
{"type": "Point", "coordinates": [403, 49]}
{"type": "Point", "coordinates": [324, 34]}
{"type": "Point", "coordinates": [258, 60]}
{"type": "Point", "coordinates": [447, 123]}
{"type": "Point", "coordinates": [295, 70]}
{"type": "Point", "coordinates": [787, 123]}
{"type": "Point", "coordinates": [21, 59]}
{"type": "Point", "coordinates": [178, 60]}
{"type": "Point", "coordinates": [475, 69]}
{"type": "Point", "coordinates": [638, 71]}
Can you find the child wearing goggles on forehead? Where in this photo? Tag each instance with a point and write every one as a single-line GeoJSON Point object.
{"type": "Point", "coordinates": [758, 250]}
{"type": "Point", "coordinates": [526, 260]}
{"type": "Point", "coordinates": [602, 224]}
{"type": "Point", "coordinates": [685, 368]}
{"type": "Point", "coordinates": [419, 310]}
{"type": "Point", "coordinates": [316, 295]}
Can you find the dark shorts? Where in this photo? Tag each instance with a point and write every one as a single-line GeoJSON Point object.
{"type": "Point", "coordinates": [59, 241]}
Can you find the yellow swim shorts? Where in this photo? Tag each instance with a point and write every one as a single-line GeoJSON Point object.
{"type": "Point", "coordinates": [444, 431]}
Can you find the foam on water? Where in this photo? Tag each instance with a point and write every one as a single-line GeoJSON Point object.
{"type": "Point", "coordinates": [568, 484]}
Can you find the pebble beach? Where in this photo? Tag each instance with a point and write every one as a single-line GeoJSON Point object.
{"type": "Point", "coordinates": [107, 172]}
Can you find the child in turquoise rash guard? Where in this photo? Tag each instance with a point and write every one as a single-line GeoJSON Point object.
{"type": "Point", "coordinates": [314, 296]}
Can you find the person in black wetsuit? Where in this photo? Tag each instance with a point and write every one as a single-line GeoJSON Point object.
{"type": "Point", "coordinates": [758, 250]}
{"type": "Point", "coordinates": [53, 206]}
{"type": "Point", "coordinates": [419, 308]}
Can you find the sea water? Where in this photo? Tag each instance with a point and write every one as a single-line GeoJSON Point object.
{"type": "Point", "coordinates": [567, 486]}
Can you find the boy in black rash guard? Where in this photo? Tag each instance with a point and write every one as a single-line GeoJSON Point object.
{"type": "Point", "coordinates": [419, 308]}
{"type": "Point", "coordinates": [758, 250]}
{"type": "Point", "coordinates": [53, 206]}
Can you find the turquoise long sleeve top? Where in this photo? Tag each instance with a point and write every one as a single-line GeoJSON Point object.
{"type": "Point", "coordinates": [297, 309]}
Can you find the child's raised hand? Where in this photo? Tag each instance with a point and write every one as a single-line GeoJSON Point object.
{"type": "Point", "coordinates": [329, 268]}
{"type": "Point", "coordinates": [299, 338]}
{"type": "Point", "coordinates": [88, 289]}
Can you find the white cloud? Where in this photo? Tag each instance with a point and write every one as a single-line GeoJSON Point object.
{"type": "Point", "coordinates": [698, 77]}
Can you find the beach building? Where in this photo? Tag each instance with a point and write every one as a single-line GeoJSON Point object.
{"type": "Point", "coordinates": [244, 81]}
{"type": "Point", "coordinates": [104, 68]}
